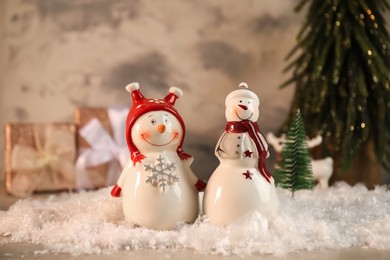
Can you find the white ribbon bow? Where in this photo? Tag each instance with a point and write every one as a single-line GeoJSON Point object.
{"type": "Point", "coordinates": [104, 149]}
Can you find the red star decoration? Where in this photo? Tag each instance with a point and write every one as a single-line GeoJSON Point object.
{"type": "Point", "coordinates": [248, 153]}
{"type": "Point", "coordinates": [247, 175]}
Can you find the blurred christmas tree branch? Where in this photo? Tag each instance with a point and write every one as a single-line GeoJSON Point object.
{"type": "Point", "coordinates": [341, 70]}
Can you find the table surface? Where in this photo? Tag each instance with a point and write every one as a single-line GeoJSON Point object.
{"type": "Point", "coordinates": [28, 251]}
{"type": "Point", "coordinates": [11, 250]}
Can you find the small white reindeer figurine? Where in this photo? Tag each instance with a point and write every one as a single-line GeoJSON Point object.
{"type": "Point", "coordinates": [322, 168]}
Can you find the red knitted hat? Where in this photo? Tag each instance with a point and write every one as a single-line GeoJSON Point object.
{"type": "Point", "coordinates": [142, 105]}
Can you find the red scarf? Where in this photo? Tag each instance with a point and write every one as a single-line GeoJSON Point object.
{"type": "Point", "coordinates": [252, 128]}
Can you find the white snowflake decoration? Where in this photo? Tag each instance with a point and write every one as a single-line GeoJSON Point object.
{"type": "Point", "coordinates": [162, 174]}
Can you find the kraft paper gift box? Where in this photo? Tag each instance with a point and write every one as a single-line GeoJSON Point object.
{"type": "Point", "coordinates": [39, 157]}
{"type": "Point", "coordinates": [101, 144]}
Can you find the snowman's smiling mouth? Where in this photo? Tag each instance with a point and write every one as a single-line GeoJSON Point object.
{"type": "Point", "coordinates": [244, 118]}
{"type": "Point", "coordinates": [174, 137]}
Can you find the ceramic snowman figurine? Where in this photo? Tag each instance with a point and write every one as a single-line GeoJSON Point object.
{"type": "Point", "coordinates": [241, 183]}
{"type": "Point", "coordinates": [157, 186]}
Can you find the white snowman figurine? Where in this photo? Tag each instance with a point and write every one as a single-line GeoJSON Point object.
{"type": "Point", "coordinates": [157, 185]}
{"type": "Point", "coordinates": [241, 183]}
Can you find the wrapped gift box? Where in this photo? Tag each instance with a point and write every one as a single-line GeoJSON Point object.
{"type": "Point", "coordinates": [39, 157]}
{"type": "Point", "coordinates": [101, 145]}
{"type": "Point", "coordinates": [84, 115]}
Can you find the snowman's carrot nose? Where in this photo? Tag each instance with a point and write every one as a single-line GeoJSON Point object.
{"type": "Point", "coordinates": [161, 128]}
{"type": "Point", "coordinates": [243, 107]}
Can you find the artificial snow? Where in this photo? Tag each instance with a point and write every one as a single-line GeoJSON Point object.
{"type": "Point", "coordinates": [92, 222]}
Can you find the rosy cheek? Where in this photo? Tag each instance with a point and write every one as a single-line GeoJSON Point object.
{"type": "Point", "coordinates": [175, 134]}
{"type": "Point", "coordinates": [145, 135]}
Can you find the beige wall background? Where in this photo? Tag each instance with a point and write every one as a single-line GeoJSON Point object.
{"type": "Point", "coordinates": [59, 54]}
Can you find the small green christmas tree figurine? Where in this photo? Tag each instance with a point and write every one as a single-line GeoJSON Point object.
{"type": "Point", "coordinates": [295, 171]}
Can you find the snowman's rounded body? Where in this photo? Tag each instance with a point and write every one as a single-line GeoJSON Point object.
{"type": "Point", "coordinates": [237, 186]}
{"type": "Point", "coordinates": [157, 185]}
{"type": "Point", "coordinates": [148, 205]}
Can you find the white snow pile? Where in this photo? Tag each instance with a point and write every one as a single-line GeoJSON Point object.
{"type": "Point", "coordinates": [92, 222]}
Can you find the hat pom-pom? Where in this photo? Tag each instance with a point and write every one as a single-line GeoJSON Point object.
{"type": "Point", "coordinates": [132, 86]}
{"type": "Point", "coordinates": [176, 91]}
{"type": "Point", "coordinates": [243, 85]}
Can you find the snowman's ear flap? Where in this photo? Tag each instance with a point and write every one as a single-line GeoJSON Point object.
{"type": "Point", "coordinates": [174, 94]}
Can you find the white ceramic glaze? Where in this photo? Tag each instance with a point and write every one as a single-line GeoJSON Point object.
{"type": "Point", "coordinates": [145, 204]}
{"type": "Point", "coordinates": [158, 187]}
{"type": "Point", "coordinates": [156, 131]}
{"type": "Point", "coordinates": [237, 187]}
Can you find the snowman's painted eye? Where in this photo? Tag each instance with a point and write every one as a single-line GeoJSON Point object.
{"type": "Point", "coordinates": [240, 101]}
{"type": "Point", "coordinates": [153, 121]}
{"type": "Point", "coordinates": [166, 121]}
